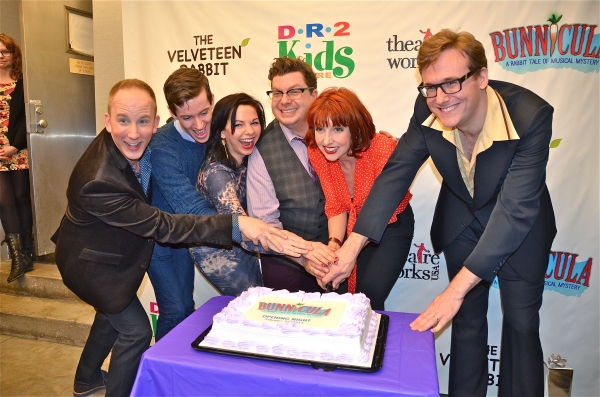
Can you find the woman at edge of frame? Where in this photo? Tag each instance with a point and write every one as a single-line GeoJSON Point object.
{"type": "Point", "coordinates": [15, 200]}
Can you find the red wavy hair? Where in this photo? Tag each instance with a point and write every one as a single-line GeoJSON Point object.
{"type": "Point", "coordinates": [12, 46]}
{"type": "Point", "coordinates": [342, 107]}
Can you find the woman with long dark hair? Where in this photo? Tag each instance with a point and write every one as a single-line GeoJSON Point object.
{"type": "Point", "coordinates": [237, 123]}
{"type": "Point", "coordinates": [15, 200]}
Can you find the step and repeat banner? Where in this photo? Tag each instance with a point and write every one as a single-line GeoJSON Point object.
{"type": "Point", "coordinates": [550, 47]}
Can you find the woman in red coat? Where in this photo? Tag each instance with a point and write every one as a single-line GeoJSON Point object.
{"type": "Point", "coordinates": [348, 154]}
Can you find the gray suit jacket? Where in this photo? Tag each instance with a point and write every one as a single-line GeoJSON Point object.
{"type": "Point", "coordinates": [105, 239]}
{"type": "Point", "coordinates": [301, 201]}
{"type": "Point", "coordinates": [511, 199]}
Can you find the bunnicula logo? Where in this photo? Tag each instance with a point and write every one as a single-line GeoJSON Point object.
{"type": "Point", "coordinates": [320, 45]}
{"type": "Point", "coordinates": [298, 309]}
{"type": "Point", "coordinates": [421, 264]}
{"type": "Point", "coordinates": [206, 56]}
{"type": "Point", "coordinates": [566, 275]}
{"type": "Point", "coordinates": [554, 45]}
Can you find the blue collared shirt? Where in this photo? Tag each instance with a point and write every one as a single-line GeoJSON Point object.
{"type": "Point", "coordinates": [143, 176]}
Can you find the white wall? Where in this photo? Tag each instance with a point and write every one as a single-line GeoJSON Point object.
{"type": "Point", "coordinates": [108, 53]}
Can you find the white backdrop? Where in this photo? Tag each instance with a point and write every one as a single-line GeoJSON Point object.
{"type": "Point", "coordinates": [371, 48]}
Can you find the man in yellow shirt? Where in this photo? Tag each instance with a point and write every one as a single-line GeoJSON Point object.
{"type": "Point", "coordinates": [490, 142]}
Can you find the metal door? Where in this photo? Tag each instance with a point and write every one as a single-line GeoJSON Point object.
{"type": "Point", "coordinates": [67, 106]}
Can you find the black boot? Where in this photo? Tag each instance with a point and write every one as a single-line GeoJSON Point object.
{"type": "Point", "coordinates": [20, 264]}
{"type": "Point", "coordinates": [28, 249]}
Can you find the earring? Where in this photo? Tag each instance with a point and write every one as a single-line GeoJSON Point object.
{"type": "Point", "coordinates": [225, 147]}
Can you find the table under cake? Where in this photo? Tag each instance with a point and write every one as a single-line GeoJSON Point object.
{"type": "Point", "coordinates": [173, 368]}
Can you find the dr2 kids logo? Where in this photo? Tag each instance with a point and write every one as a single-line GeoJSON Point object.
{"type": "Point", "coordinates": [553, 45]}
{"type": "Point", "coordinates": [320, 47]}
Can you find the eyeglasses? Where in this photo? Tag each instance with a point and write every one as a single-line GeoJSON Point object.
{"type": "Point", "coordinates": [294, 93]}
{"type": "Point", "coordinates": [5, 53]}
{"type": "Point", "coordinates": [449, 87]}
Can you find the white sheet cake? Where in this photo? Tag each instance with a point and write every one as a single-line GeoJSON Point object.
{"type": "Point", "coordinates": [326, 327]}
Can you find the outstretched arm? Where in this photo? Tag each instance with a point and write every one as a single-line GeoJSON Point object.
{"type": "Point", "coordinates": [337, 230]}
{"type": "Point", "coordinates": [273, 238]}
{"type": "Point", "coordinates": [445, 306]}
{"type": "Point", "coordinates": [347, 255]}
{"type": "Point", "coordinates": [323, 255]}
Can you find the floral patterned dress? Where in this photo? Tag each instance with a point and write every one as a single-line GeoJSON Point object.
{"type": "Point", "coordinates": [234, 270]}
{"type": "Point", "coordinates": [19, 160]}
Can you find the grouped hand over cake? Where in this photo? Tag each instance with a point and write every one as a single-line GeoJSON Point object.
{"type": "Point", "coordinates": [308, 326]}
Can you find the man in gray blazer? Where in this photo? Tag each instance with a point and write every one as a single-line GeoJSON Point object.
{"type": "Point", "coordinates": [489, 140]}
{"type": "Point", "coordinates": [282, 187]}
{"type": "Point", "coordinates": [105, 240]}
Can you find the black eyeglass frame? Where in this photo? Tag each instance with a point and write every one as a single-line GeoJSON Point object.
{"type": "Point", "coordinates": [423, 88]}
{"type": "Point", "coordinates": [6, 52]}
{"type": "Point", "coordinates": [269, 93]}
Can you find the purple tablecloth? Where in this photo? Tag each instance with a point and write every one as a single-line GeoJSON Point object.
{"type": "Point", "coordinates": [173, 368]}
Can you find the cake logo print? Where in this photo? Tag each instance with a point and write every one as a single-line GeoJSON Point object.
{"type": "Point", "coordinates": [322, 47]}
{"type": "Point", "coordinates": [553, 45]}
{"type": "Point", "coordinates": [206, 56]}
{"type": "Point", "coordinates": [407, 49]}
{"type": "Point", "coordinates": [566, 275]}
{"type": "Point", "coordinates": [421, 264]}
{"type": "Point", "coordinates": [298, 309]}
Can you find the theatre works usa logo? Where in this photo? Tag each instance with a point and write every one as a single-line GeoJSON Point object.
{"type": "Point", "coordinates": [556, 44]}
{"type": "Point", "coordinates": [421, 264]}
{"type": "Point", "coordinates": [405, 49]}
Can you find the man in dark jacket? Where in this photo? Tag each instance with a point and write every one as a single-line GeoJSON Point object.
{"type": "Point", "coordinates": [105, 240]}
{"type": "Point", "coordinates": [490, 142]}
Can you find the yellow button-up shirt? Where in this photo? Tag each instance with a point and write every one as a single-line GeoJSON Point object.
{"type": "Point", "coordinates": [497, 127]}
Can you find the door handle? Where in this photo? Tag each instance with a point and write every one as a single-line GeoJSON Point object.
{"type": "Point", "coordinates": [35, 124]}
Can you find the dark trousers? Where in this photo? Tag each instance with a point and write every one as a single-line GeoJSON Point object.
{"type": "Point", "coordinates": [16, 215]}
{"type": "Point", "coordinates": [521, 357]}
{"type": "Point", "coordinates": [172, 274]}
{"type": "Point", "coordinates": [378, 266]}
{"type": "Point", "coordinates": [128, 334]}
{"type": "Point", "coordinates": [294, 278]}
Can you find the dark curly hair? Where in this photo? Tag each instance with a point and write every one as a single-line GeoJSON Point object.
{"type": "Point", "coordinates": [285, 65]}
